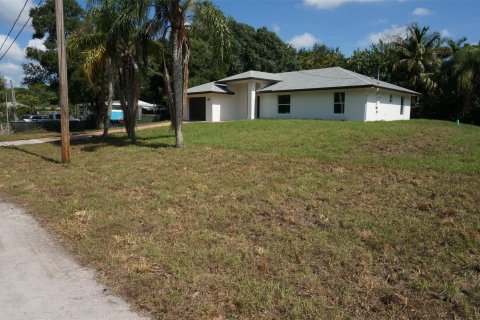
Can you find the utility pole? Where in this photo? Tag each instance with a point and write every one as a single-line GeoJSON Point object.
{"type": "Point", "coordinates": [14, 102]}
{"type": "Point", "coordinates": [62, 68]}
{"type": "Point", "coordinates": [6, 107]}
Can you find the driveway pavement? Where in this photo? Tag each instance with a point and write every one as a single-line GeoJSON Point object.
{"type": "Point", "coordinates": [40, 280]}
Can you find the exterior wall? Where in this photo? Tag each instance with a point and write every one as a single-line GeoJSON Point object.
{"type": "Point", "coordinates": [379, 107]}
{"type": "Point", "coordinates": [360, 105]}
{"type": "Point", "coordinates": [316, 105]}
{"type": "Point", "coordinates": [209, 109]}
{"type": "Point", "coordinates": [241, 99]}
{"type": "Point", "coordinates": [226, 106]}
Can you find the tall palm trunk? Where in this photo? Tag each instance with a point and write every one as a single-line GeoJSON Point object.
{"type": "Point", "coordinates": [178, 84]}
{"type": "Point", "coordinates": [129, 94]}
{"type": "Point", "coordinates": [186, 73]}
{"type": "Point", "coordinates": [168, 89]}
{"type": "Point", "coordinates": [108, 116]}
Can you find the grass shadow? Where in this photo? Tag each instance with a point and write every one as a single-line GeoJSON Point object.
{"type": "Point", "coordinates": [95, 143]}
{"type": "Point", "coordinates": [45, 158]}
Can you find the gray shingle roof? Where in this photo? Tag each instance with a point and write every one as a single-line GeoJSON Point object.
{"type": "Point", "coordinates": [252, 75]}
{"type": "Point", "coordinates": [210, 87]}
{"type": "Point", "coordinates": [328, 78]}
{"type": "Point", "coordinates": [319, 79]}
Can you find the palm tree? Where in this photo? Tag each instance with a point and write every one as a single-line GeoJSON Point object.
{"type": "Point", "coordinates": [133, 29]}
{"type": "Point", "coordinates": [457, 45]}
{"type": "Point", "coordinates": [466, 70]}
{"type": "Point", "coordinates": [171, 18]}
{"type": "Point", "coordinates": [96, 60]}
{"type": "Point", "coordinates": [418, 55]}
{"type": "Point", "coordinates": [124, 23]}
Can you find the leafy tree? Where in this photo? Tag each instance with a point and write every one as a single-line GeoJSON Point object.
{"type": "Point", "coordinates": [45, 68]}
{"type": "Point", "coordinates": [321, 56]}
{"type": "Point", "coordinates": [203, 67]}
{"type": "Point", "coordinates": [3, 83]}
{"type": "Point", "coordinates": [37, 97]}
{"type": "Point", "coordinates": [260, 50]}
{"type": "Point", "coordinates": [375, 61]}
{"type": "Point", "coordinates": [466, 71]}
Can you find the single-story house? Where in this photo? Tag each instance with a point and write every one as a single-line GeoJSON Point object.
{"type": "Point", "coordinates": [330, 93]}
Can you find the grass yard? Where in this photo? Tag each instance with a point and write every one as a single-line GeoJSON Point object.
{"type": "Point", "coordinates": [270, 219]}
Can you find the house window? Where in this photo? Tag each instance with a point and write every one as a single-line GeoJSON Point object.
{"type": "Point", "coordinates": [284, 104]}
{"type": "Point", "coordinates": [339, 103]}
{"type": "Point", "coordinates": [402, 105]}
{"type": "Point", "coordinates": [391, 98]}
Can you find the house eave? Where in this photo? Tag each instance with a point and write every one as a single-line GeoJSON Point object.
{"type": "Point", "coordinates": [337, 88]}
{"type": "Point", "coordinates": [312, 89]}
{"type": "Point", "coordinates": [210, 92]}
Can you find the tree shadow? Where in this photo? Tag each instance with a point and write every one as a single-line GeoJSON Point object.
{"type": "Point", "coordinates": [45, 158]}
{"type": "Point", "coordinates": [95, 143]}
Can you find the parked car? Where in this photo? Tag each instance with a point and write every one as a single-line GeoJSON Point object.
{"type": "Point", "coordinates": [54, 116]}
{"type": "Point", "coordinates": [34, 118]}
{"type": "Point", "coordinates": [58, 117]}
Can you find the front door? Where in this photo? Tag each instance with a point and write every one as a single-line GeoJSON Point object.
{"type": "Point", "coordinates": [198, 109]}
{"type": "Point", "coordinates": [257, 109]}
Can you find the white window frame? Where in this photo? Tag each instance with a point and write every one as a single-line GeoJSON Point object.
{"type": "Point", "coordinates": [284, 104]}
{"type": "Point", "coordinates": [402, 105]}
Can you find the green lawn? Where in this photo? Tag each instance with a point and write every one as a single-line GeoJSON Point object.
{"type": "Point", "coordinates": [270, 219]}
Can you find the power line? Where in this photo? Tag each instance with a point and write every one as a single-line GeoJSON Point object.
{"type": "Point", "coordinates": [11, 29]}
{"type": "Point", "coordinates": [23, 27]}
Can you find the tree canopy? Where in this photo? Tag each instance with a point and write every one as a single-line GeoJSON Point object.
{"type": "Point", "coordinates": [3, 83]}
{"type": "Point", "coordinates": [44, 69]}
{"type": "Point", "coordinates": [321, 56]}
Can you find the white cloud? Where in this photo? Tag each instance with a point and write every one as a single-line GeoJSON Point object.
{"type": "Point", "coordinates": [422, 12]}
{"type": "Point", "coordinates": [387, 35]}
{"type": "Point", "coordinates": [10, 69]}
{"type": "Point", "coordinates": [378, 22]}
{"type": "Point", "coordinates": [11, 64]}
{"type": "Point", "coordinates": [327, 4]}
{"type": "Point", "coordinates": [445, 33]}
{"type": "Point", "coordinates": [11, 9]}
{"type": "Point", "coordinates": [15, 53]}
{"type": "Point", "coordinates": [37, 43]}
{"type": "Point", "coordinates": [276, 28]}
{"type": "Point", "coordinates": [305, 40]}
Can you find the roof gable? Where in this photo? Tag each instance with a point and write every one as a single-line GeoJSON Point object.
{"type": "Point", "coordinates": [252, 75]}
{"type": "Point", "coordinates": [210, 87]}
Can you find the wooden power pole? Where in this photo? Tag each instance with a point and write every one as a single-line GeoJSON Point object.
{"type": "Point", "coordinates": [14, 102]}
{"type": "Point", "coordinates": [62, 70]}
{"type": "Point", "coordinates": [6, 109]}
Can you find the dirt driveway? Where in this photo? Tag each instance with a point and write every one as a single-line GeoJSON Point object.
{"type": "Point", "coordinates": [40, 280]}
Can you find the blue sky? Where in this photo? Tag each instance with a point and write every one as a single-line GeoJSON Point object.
{"type": "Point", "coordinates": [347, 24]}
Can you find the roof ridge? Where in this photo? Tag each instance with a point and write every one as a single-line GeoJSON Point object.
{"type": "Point", "coordinates": [357, 75]}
